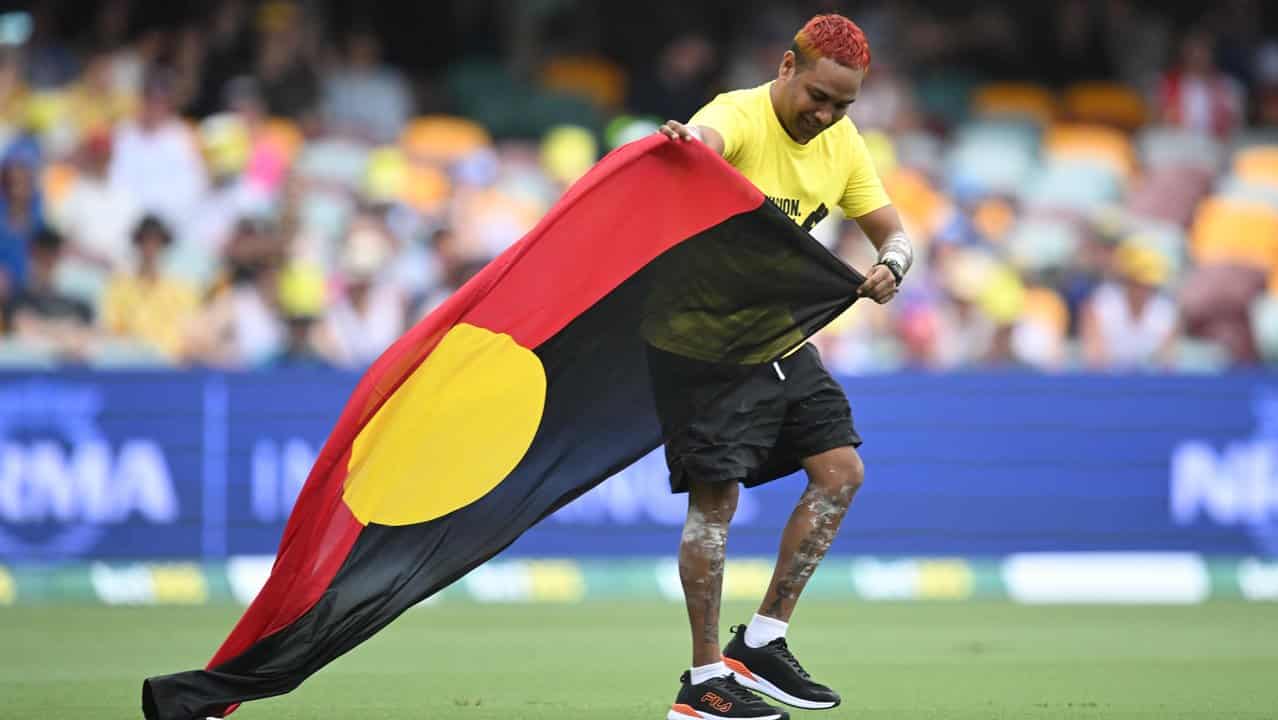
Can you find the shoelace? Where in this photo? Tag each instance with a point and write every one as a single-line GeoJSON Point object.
{"type": "Point", "coordinates": [729, 685]}
{"type": "Point", "coordinates": [784, 651]}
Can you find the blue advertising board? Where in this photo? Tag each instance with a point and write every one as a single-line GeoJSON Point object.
{"type": "Point", "coordinates": [159, 465]}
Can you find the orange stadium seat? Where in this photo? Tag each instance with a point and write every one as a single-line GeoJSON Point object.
{"type": "Point", "coordinates": [1230, 231]}
{"type": "Point", "coordinates": [1258, 165]}
{"type": "Point", "coordinates": [597, 79]}
{"type": "Point", "coordinates": [424, 188]}
{"type": "Point", "coordinates": [1091, 143]}
{"type": "Point", "coordinates": [442, 138]}
{"type": "Point", "coordinates": [1021, 100]}
{"type": "Point", "coordinates": [919, 203]}
{"type": "Point", "coordinates": [1105, 104]}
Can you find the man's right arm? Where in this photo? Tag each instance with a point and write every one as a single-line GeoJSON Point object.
{"type": "Point", "coordinates": [676, 130]}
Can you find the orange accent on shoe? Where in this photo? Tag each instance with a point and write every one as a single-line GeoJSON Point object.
{"type": "Point", "coordinates": [737, 666]}
{"type": "Point", "coordinates": [685, 710]}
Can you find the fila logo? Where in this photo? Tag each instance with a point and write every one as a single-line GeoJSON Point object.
{"type": "Point", "coordinates": [716, 702]}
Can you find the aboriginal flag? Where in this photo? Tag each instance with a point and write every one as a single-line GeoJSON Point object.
{"type": "Point", "coordinates": [529, 386]}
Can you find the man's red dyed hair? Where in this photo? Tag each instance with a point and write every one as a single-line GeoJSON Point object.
{"type": "Point", "coordinates": [835, 37]}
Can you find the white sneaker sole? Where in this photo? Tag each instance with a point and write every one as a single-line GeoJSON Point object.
{"type": "Point", "coordinates": [690, 714]}
{"type": "Point", "coordinates": [758, 684]}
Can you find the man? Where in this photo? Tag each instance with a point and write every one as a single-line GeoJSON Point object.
{"type": "Point", "coordinates": [153, 158]}
{"type": "Point", "coordinates": [792, 139]}
{"type": "Point", "coordinates": [151, 306]}
{"type": "Point", "coordinates": [44, 317]}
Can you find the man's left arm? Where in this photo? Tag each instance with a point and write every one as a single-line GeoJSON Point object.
{"type": "Point", "coordinates": [865, 200]}
{"type": "Point", "coordinates": [896, 255]}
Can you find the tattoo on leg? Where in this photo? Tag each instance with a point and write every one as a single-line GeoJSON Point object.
{"type": "Point", "coordinates": [825, 511]}
{"type": "Point", "coordinates": [711, 598]}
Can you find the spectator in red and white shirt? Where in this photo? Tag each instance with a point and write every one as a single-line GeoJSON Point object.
{"type": "Point", "coordinates": [1197, 95]}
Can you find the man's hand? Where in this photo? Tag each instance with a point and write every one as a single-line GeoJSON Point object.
{"type": "Point", "coordinates": [676, 130]}
{"type": "Point", "coordinates": [879, 285]}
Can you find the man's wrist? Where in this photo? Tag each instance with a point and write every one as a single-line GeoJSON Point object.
{"type": "Point", "coordinates": [897, 254]}
{"type": "Point", "coordinates": [894, 267]}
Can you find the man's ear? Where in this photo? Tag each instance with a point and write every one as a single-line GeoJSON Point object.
{"type": "Point", "coordinates": [788, 67]}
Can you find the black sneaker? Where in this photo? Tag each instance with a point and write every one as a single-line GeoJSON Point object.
{"type": "Point", "coordinates": [773, 671]}
{"type": "Point", "coordinates": [720, 698]}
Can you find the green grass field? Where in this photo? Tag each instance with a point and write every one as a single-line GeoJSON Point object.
{"type": "Point", "coordinates": [599, 661]}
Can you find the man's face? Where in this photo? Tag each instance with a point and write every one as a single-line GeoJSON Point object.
{"type": "Point", "coordinates": [151, 247]}
{"type": "Point", "coordinates": [816, 96]}
{"type": "Point", "coordinates": [157, 106]}
{"type": "Point", "coordinates": [1137, 292]}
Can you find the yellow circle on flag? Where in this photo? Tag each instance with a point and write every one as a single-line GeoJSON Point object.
{"type": "Point", "coordinates": [451, 432]}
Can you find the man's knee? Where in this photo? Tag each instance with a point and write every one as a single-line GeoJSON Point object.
{"type": "Point", "coordinates": [705, 532]}
{"type": "Point", "coordinates": [713, 501]}
{"type": "Point", "coordinates": [838, 472]}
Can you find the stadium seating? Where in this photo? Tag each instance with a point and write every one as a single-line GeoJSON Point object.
{"type": "Point", "coordinates": [81, 279]}
{"type": "Point", "coordinates": [995, 157]}
{"type": "Point", "coordinates": [118, 353]}
{"type": "Point", "coordinates": [1162, 146]}
{"type": "Point", "coordinates": [1105, 104]}
{"type": "Point", "coordinates": [597, 79]}
{"type": "Point", "coordinates": [1235, 188]}
{"type": "Point", "coordinates": [1090, 144]}
{"type": "Point", "coordinates": [19, 354]}
{"type": "Point", "coordinates": [442, 138]}
{"type": "Point", "coordinates": [1017, 101]}
{"type": "Point", "coordinates": [1257, 165]}
{"type": "Point", "coordinates": [1042, 243]}
{"type": "Point", "coordinates": [1072, 185]}
{"type": "Point", "coordinates": [1230, 231]}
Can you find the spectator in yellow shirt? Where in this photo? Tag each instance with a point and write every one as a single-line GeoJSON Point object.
{"type": "Point", "coordinates": [149, 306]}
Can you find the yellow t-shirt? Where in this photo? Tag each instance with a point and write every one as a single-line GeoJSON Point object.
{"type": "Point", "coordinates": [696, 317]}
{"type": "Point", "coordinates": [155, 312]}
{"type": "Point", "coordinates": [833, 169]}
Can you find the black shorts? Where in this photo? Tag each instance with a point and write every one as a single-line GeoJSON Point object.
{"type": "Point", "coordinates": [733, 423]}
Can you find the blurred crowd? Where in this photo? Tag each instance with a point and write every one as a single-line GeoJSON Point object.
{"type": "Point", "coordinates": [1089, 184]}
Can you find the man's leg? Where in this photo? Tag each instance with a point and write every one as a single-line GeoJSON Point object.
{"type": "Point", "coordinates": [759, 655]}
{"type": "Point", "coordinates": [708, 689]}
{"type": "Point", "coordinates": [834, 476]}
{"type": "Point", "coordinates": [701, 556]}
